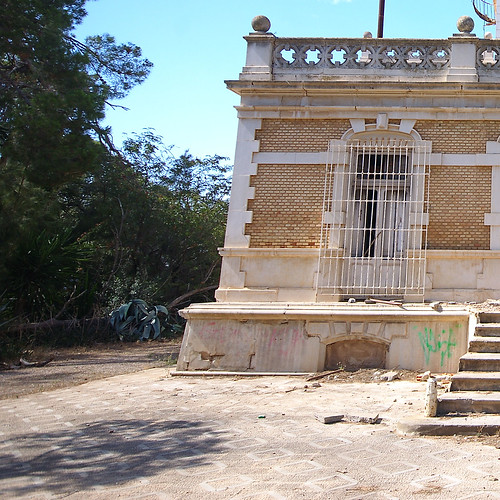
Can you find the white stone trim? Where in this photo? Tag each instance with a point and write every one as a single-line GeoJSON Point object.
{"type": "Point", "coordinates": [231, 275]}
{"type": "Point", "coordinates": [357, 124]}
{"type": "Point", "coordinates": [406, 126]}
{"type": "Point", "coordinates": [435, 160]}
{"type": "Point", "coordinates": [290, 158]}
{"type": "Point", "coordinates": [463, 254]}
{"type": "Point", "coordinates": [382, 127]}
{"type": "Point", "coordinates": [493, 147]}
{"type": "Point", "coordinates": [464, 160]}
{"type": "Point", "coordinates": [492, 219]}
{"type": "Point", "coordinates": [419, 219]}
{"type": "Point", "coordinates": [241, 192]}
{"type": "Point", "coordinates": [269, 252]}
{"type": "Point", "coordinates": [382, 121]}
{"type": "Point", "coordinates": [322, 312]}
{"type": "Point", "coordinates": [369, 112]}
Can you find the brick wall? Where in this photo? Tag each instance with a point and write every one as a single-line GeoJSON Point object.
{"type": "Point", "coordinates": [288, 198]}
{"type": "Point", "coordinates": [299, 135]}
{"type": "Point", "coordinates": [450, 136]}
{"type": "Point", "coordinates": [453, 136]}
{"type": "Point", "coordinates": [287, 206]}
{"type": "Point", "coordinates": [458, 199]}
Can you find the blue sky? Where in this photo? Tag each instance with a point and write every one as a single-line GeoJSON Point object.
{"type": "Point", "coordinates": [197, 44]}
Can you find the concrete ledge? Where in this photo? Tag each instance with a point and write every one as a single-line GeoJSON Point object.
{"type": "Point", "coordinates": [213, 373]}
{"type": "Point", "coordinates": [321, 311]}
{"type": "Point", "coordinates": [467, 426]}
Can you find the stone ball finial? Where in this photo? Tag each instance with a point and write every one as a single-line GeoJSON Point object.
{"type": "Point", "coordinates": [261, 24]}
{"type": "Point", "coordinates": [367, 34]}
{"type": "Point", "coordinates": [488, 35]}
{"type": "Point", "coordinates": [465, 24]}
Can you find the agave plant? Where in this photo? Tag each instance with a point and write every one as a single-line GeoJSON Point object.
{"type": "Point", "coordinates": [137, 321]}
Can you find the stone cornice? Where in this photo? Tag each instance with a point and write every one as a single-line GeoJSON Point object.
{"type": "Point", "coordinates": [310, 88]}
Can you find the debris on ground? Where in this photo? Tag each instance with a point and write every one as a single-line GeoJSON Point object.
{"type": "Point", "coordinates": [319, 376]}
{"type": "Point", "coordinates": [422, 377]}
{"type": "Point", "coordinates": [443, 379]}
{"type": "Point", "coordinates": [389, 376]}
{"type": "Point", "coordinates": [330, 419]}
{"type": "Point", "coordinates": [369, 375]}
{"type": "Point", "coordinates": [353, 419]}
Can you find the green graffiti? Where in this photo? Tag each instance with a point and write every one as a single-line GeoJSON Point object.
{"type": "Point", "coordinates": [441, 343]}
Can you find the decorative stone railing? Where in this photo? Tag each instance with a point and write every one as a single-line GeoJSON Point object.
{"type": "Point", "coordinates": [334, 54]}
{"type": "Point", "coordinates": [458, 58]}
{"type": "Point", "coordinates": [488, 55]}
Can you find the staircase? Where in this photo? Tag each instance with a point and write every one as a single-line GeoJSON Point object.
{"type": "Point", "coordinates": [476, 386]}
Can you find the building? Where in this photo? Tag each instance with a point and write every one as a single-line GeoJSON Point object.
{"type": "Point", "coordinates": [365, 168]}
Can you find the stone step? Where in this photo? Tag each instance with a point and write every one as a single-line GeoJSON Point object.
{"type": "Point", "coordinates": [469, 402]}
{"type": "Point", "coordinates": [489, 317]}
{"type": "Point", "coordinates": [484, 344]}
{"type": "Point", "coordinates": [480, 362]}
{"type": "Point", "coordinates": [487, 330]}
{"type": "Point", "coordinates": [475, 381]}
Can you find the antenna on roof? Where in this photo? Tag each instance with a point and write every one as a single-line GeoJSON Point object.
{"type": "Point", "coordinates": [381, 8]}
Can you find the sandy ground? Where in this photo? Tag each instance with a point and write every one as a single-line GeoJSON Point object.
{"type": "Point", "coordinates": [70, 367]}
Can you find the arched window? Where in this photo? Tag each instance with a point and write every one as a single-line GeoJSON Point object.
{"type": "Point", "coordinates": [374, 216]}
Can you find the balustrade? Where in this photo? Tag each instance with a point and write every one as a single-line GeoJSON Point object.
{"type": "Point", "coordinates": [321, 54]}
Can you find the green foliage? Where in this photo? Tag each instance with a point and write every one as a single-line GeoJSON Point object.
{"type": "Point", "coordinates": [119, 67]}
{"type": "Point", "coordinates": [137, 321]}
{"type": "Point", "coordinates": [54, 89]}
{"type": "Point", "coordinates": [83, 226]}
{"type": "Point", "coordinates": [155, 221]}
{"type": "Point", "coordinates": [44, 272]}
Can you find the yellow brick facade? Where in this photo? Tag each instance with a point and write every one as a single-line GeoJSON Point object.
{"type": "Point", "coordinates": [287, 206]}
{"type": "Point", "coordinates": [459, 197]}
{"type": "Point", "coordinates": [454, 136]}
{"type": "Point", "coordinates": [299, 135]}
{"type": "Point", "coordinates": [288, 198]}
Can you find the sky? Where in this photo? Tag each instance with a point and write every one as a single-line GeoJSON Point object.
{"type": "Point", "coordinates": [195, 45]}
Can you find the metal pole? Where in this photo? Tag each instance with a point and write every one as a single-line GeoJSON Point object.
{"type": "Point", "coordinates": [381, 8]}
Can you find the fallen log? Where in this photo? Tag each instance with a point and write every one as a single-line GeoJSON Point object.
{"type": "Point", "coordinates": [24, 364]}
{"type": "Point", "coordinates": [34, 364]}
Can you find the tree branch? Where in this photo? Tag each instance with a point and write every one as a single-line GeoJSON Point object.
{"type": "Point", "coordinates": [182, 298]}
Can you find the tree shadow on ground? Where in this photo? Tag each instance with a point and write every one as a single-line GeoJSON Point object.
{"type": "Point", "coordinates": [102, 454]}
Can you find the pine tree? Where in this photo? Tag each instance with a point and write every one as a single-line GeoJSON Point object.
{"type": "Point", "coordinates": [54, 90]}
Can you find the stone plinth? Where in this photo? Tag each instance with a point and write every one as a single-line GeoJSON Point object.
{"type": "Point", "coordinates": [263, 337]}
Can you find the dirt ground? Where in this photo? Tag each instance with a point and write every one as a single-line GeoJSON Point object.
{"type": "Point", "coordinates": [69, 367]}
{"type": "Point", "coordinates": [74, 366]}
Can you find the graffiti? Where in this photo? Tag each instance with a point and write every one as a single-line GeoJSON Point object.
{"type": "Point", "coordinates": [442, 343]}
